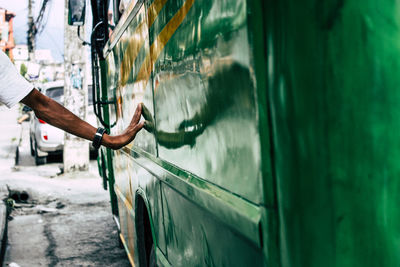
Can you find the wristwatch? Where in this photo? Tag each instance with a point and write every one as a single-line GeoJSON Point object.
{"type": "Point", "coordinates": [97, 137]}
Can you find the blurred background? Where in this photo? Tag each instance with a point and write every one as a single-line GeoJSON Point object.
{"type": "Point", "coordinates": [47, 29]}
{"type": "Point", "coordinates": [34, 181]}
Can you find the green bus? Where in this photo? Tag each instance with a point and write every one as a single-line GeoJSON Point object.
{"type": "Point", "coordinates": [271, 133]}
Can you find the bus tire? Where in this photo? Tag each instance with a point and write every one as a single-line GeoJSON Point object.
{"type": "Point", "coordinates": [146, 248]}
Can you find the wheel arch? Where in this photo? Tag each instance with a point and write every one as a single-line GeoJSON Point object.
{"type": "Point", "coordinates": [144, 227]}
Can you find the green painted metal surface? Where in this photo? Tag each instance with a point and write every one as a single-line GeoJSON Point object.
{"type": "Point", "coordinates": [334, 97]}
{"type": "Point", "coordinates": [102, 92]}
{"type": "Point", "coordinates": [198, 165]}
{"type": "Point", "coordinates": [258, 26]}
{"type": "Point", "coordinates": [207, 86]}
{"type": "Point", "coordinates": [206, 125]}
{"type": "Point", "coordinates": [271, 130]}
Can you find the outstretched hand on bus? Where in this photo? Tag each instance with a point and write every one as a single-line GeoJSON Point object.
{"type": "Point", "coordinates": [55, 114]}
{"type": "Point", "coordinates": [127, 136]}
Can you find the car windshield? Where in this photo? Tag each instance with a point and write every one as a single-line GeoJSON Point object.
{"type": "Point", "coordinates": [55, 93]}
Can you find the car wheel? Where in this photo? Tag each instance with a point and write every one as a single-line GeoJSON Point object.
{"type": "Point", "coordinates": [32, 150]}
{"type": "Point", "coordinates": [39, 160]}
{"type": "Point", "coordinates": [17, 156]}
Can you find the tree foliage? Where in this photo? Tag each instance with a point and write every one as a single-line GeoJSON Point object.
{"type": "Point", "coordinates": [23, 69]}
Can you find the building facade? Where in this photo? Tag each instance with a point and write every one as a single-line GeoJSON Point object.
{"type": "Point", "coordinates": [7, 42]}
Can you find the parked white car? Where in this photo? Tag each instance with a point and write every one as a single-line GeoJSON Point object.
{"type": "Point", "coordinates": [46, 139]}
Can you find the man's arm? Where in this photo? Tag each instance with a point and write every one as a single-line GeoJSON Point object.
{"type": "Point", "coordinates": [55, 114]}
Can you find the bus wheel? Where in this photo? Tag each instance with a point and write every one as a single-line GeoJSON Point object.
{"type": "Point", "coordinates": [146, 248]}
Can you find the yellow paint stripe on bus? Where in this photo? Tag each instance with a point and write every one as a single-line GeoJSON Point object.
{"type": "Point", "coordinates": [137, 39]}
{"type": "Point", "coordinates": [127, 148]}
{"type": "Point", "coordinates": [162, 39]}
{"type": "Point", "coordinates": [125, 200]}
{"type": "Point", "coordinates": [131, 235]}
{"type": "Point", "coordinates": [131, 52]}
{"type": "Point", "coordinates": [154, 10]}
{"type": "Point", "coordinates": [127, 252]}
{"type": "Point", "coordinates": [129, 223]}
{"type": "Point", "coordinates": [128, 204]}
{"type": "Point", "coordinates": [117, 189]}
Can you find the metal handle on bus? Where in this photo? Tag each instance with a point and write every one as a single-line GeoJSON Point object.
{"type": "Point", "coordinates": [97, 104]}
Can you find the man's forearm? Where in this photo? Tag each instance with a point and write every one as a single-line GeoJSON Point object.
{"type": "Point", "coordinates": [55, 114]}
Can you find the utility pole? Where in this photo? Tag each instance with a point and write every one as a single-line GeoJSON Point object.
{"type": "Point", "coordinates": [31, 33]}
{"type": "Point", "coordinates": [76, 150]}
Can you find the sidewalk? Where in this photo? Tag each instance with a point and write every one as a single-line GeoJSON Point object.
{"type": "Point", "coordinates": [67, 219]}
{"type": "Point", "coordinates": [3, 231]}
{"type": "Point", "coordinates": [8, 143]}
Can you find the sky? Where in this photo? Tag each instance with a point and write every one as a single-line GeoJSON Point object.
{"type": "Point", "coordinates": [52, 36]}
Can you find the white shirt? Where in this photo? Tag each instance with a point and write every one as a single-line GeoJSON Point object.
{"type": "Point", "coordinates": [13, 87]}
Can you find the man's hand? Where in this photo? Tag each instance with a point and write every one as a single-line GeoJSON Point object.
{"type": "Point", "coordinates": [55, 114]}
{"type": "Point", "coordinates": [118, 141]}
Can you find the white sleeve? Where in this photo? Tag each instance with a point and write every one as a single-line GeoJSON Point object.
{"type": "Point", "coordinates": [13, 87]}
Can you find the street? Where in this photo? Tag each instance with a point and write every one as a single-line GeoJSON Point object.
{"type": "Point", "coordinates": [62, 219]}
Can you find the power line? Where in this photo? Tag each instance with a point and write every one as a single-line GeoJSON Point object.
{"type": "Point", "coordinates": [35, 26]}
{"type": "Point", "coordinates": [39, 20]}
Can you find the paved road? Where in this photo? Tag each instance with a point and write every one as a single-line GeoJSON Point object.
{"type": "Point", "coordinates": [67, 219]}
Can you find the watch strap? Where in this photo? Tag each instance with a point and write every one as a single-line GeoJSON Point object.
{"type": "Point", "coordinates": [97, 137]}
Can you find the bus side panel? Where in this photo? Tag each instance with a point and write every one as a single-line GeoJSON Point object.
{"type": "Point", "coordinates": [196, 238]}
{"type": "Point", "coordinates": [132, 80]}
{"type": "Point", "coordinates": [205, 99]}
{"type": "Point", "coordinates": [131, 66]}
{"type": "Point", "coordinates": [147, 186]}
{"type": "Point", "coordinates": [336, 119]}
{"type": "Point", "coordinates": [140, 183]}
{"type": "Point", "coordinates": [206, 114]}
{"type": "Point", "coordinates": [123, 170]}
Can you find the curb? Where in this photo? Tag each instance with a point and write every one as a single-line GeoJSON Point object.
{"type": "Point", "coordinates": [3, 230]}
